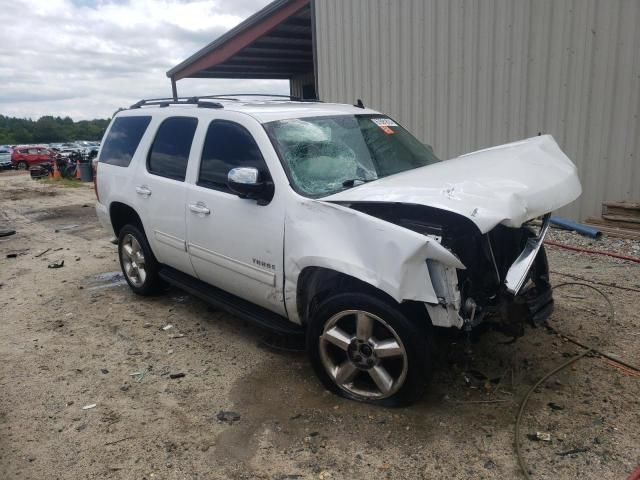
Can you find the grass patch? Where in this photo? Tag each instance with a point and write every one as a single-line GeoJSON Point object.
{"type": "Point", "coordinates": [62, 182]}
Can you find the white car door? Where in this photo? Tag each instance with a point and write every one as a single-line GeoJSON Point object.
{"type": "Point", "coordinates": [161, 193]}
{"type": "Point", "coordinates": [235, 244]}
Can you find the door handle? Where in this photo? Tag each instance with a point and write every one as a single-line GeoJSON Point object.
{"type": "Point", "coordinates": [199, 208]}
{"type": "Point", "coordinates": [143, 190]}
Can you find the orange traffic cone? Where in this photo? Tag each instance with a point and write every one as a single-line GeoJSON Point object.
{"type": "Point", "coordinates": [56, 172]}
{"type": "Point", "coordinates": [77, 169]}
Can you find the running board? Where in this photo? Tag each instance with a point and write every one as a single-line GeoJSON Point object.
{"type": "Point", "coordinates": [236, 306]}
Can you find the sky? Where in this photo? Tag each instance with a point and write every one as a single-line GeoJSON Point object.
{"type": "Point", "coordinates": [86, 58]}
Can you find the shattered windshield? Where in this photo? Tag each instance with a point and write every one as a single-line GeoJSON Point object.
{"type": "Point", "coordinates": [324, 155]}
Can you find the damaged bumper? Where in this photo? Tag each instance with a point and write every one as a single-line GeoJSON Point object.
{"type": "Point", "coordinates": [510, 285]}
{"type": "Point", "coordinates": [519, 271]}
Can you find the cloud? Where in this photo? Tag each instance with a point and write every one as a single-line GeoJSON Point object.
{"type": "Point", "coordinates": [86, 58]}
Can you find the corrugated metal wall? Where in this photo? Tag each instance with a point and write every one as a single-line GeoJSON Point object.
{"type": "Point", "coordinates": [467, 74]}
{"type": "Point", "coordinates": [297, 83]}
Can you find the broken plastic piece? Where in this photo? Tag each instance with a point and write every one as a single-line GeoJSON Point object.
{"type": "Point", "coordinates": [540, 436]}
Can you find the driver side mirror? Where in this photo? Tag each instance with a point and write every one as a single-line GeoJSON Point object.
{"type": "Point", "coordinates": [246, 183]}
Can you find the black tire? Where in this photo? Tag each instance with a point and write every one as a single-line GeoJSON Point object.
{"type": "Point", "coordinates": [152, 283]}
{"type": "Point", "coordinates": [414, 334]}
{"type": "Point", "coordinates": [22, 165]}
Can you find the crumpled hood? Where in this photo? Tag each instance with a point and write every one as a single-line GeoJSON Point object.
{"type": "Point", "coordinates": [508, 184]}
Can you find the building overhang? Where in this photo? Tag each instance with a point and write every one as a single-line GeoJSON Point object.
{"type": "Point", "coordinates": [274, 43]}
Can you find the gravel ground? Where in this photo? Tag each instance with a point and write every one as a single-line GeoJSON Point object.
{"type": "Point", "coordinates": [75, 337]}
{"type": "Point", "coordinates": [619, 246]}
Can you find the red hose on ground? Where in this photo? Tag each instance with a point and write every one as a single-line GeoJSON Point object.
{"type": "Point", "coordinates": [635, 475]}
{"type": "Point", "coordinates": [594, 252]}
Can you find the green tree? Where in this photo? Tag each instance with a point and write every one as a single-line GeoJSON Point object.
{"type": "Point", "coordinates": [49, 129]}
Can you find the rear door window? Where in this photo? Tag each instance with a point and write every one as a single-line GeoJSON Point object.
{"type": "Point", "coordinates": [169, 153]}
{"type": "Point", "coordinates": [123, 139]}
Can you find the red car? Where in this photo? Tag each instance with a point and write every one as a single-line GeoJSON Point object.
{"type": "Point", "coordinates": [26, 156]}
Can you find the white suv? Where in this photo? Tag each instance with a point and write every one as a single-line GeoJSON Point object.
{"type": "Point", "coordinates": [333, 221]}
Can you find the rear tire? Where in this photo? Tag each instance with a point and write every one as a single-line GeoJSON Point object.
{"type": "Point", "coordinates": [366, 348]}
{"type": "Point", "coordinates": [22, 165]}
{"type": "Point", "coordinates": [139, 265]}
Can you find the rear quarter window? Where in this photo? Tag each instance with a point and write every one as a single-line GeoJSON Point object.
{"type": "Point", "coordinates": [123, 140]}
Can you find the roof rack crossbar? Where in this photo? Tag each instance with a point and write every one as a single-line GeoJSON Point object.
{"type": "Point", "coordinates": [165, 102]}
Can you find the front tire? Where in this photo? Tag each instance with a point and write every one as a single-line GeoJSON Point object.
{"type": "Point", "coordinates": [139, 265]}
{"type": "Point", "coordinates": [366, 348]}
{"type": "Point", "coordinates": [22, 165]}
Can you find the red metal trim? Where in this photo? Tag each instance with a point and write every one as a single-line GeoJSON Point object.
{"type": "Point", "coordinates": [242, 40]}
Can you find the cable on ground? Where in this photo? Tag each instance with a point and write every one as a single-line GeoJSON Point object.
{"type": "Point", "coordinates": [591, 251]}
{"type": "Point", "coordinates": [588, 350]}
{"type": "Point", "coordinates": [611, 285]}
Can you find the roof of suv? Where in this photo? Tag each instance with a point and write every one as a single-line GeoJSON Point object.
{"type": "Point", "coordinates": [263, 111]}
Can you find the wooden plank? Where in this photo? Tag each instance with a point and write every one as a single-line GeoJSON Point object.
{"type": "Point", "coordinates": [616, 232]}
{"type": "Point", "coordinates": [625, 209]}
{"type": "Point", "coordinates": [609, 223]}
{"type": "Point", "coordinates": [625, 212]}
{"type": "Point", "coordinates": [622, 218]}
{"type": "Point", "coordinates": [627, 205]}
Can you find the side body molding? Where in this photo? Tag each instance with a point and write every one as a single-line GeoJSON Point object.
{"type": "Point", "coordinates": [387, 256]}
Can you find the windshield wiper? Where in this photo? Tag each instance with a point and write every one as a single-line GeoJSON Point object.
{"type": "Point", "coordinates": [352, 182]}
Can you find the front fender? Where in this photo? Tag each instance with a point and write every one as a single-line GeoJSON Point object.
{"type": "Point", "coordinates": [384, 255]}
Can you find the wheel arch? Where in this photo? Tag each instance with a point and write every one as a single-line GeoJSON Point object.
{"type": "Point", "coordinates": [315, 284]}
{"type": "Point", "coordinates": [122, 214]}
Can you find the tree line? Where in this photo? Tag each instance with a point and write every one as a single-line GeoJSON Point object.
{"type": "Point", "coordinates": [49, 129]}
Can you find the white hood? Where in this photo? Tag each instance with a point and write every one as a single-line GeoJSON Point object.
{"type": "Point", "coordinates": [508, 184]}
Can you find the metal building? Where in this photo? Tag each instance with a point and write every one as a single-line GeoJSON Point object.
{"type": "Point", "coordinates": [467, 74]}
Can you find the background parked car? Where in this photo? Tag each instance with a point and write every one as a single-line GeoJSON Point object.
{"type": "Point", "coordinates": [66, 152]}
{"type": "Point", "coordinates": [26, 156]}
{"type": "Point", "coordinates": [5, 157]}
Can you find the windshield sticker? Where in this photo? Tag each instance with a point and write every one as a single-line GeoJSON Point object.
{"type": "Point", "coordinates": [385, 124]}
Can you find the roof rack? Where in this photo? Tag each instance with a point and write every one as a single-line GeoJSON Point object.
{"type": "Point", "coordinates": [165, 102]}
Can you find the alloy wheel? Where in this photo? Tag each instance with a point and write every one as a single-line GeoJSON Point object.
{"type": "Point", "coordinates": [363, 354]}
{"type": "Point", "coordinates": [133, 260]}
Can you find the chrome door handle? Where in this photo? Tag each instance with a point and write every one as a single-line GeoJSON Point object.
{"type": "Point", "coordinates": [143, 190]}
{"type": "Point", "coordinates": [199, 208]}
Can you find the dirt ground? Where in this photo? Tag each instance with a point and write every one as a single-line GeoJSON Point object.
{"type": "Point", "coordinates": [77, 336]}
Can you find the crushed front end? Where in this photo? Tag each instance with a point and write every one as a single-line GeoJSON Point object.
{"type": "Point", "coordinates": [506, 279]}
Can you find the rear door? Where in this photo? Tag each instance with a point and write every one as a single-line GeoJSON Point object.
{"type": "Point", "coordinates": [32, 156]}
{"type": "Point", "coordinates": [160, 190]}
{"type": "Point", "coordinates": [43, 155]}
